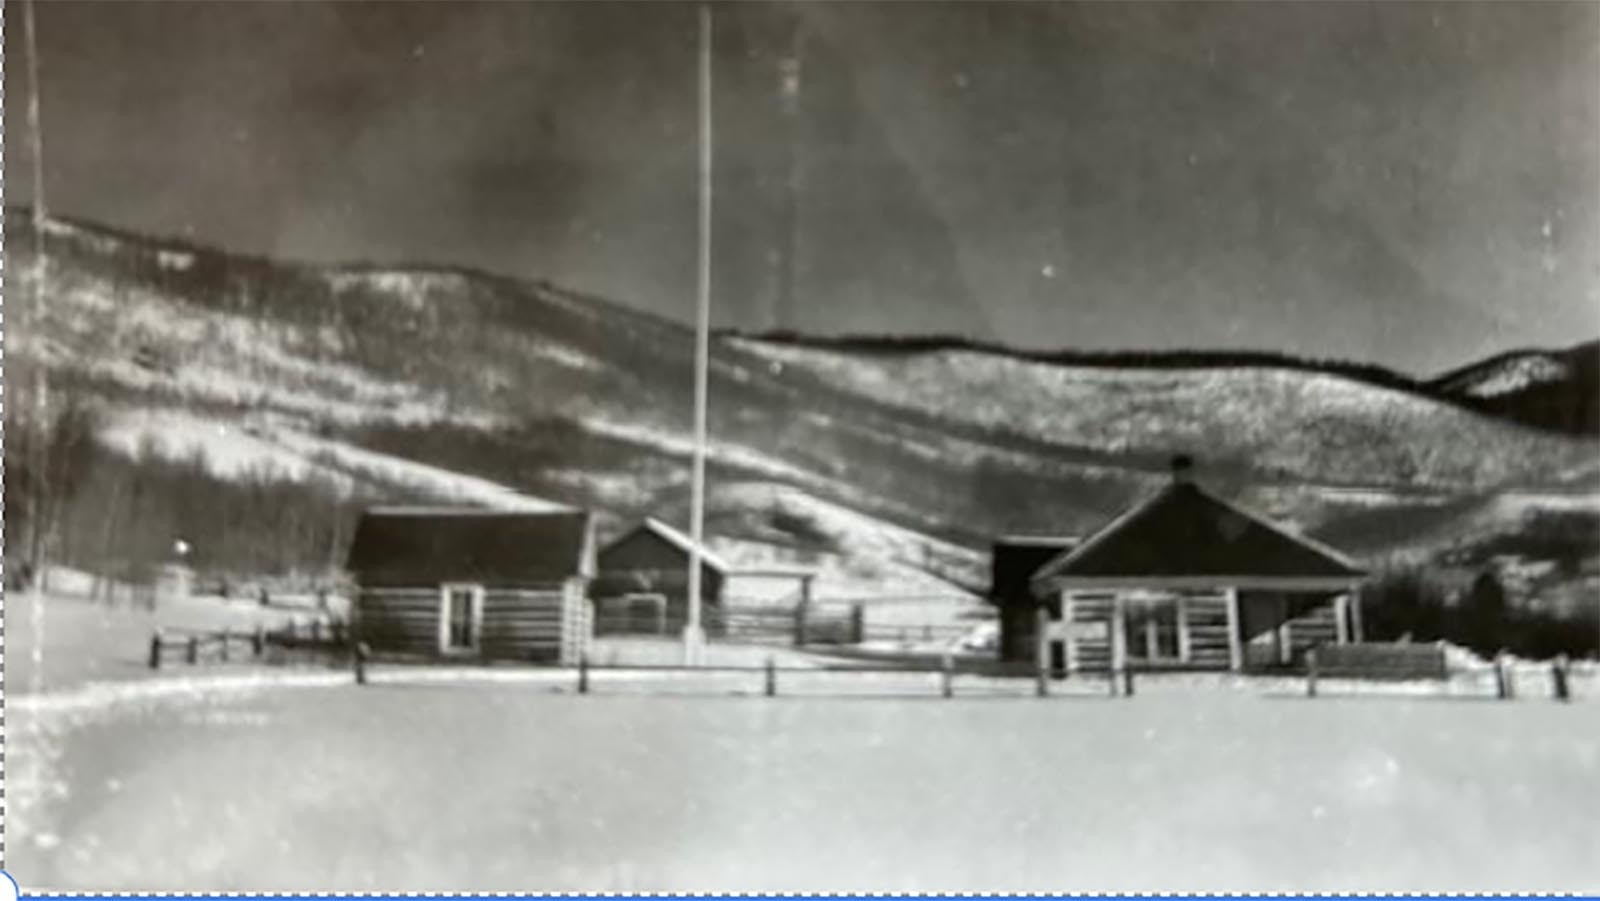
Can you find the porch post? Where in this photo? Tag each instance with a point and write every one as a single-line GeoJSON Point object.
{"type": "Point", "coordinates": [1341, 619]}
{"type": "Point", "coordinates": [1068, 611]}
{"type": "Point", "coordinates": [1355, 612]}
{"type": "Point", "coordinates": [1183, 628]}
{"type": "Point", "coordinates": [1041, 638]}
{"type": "Point", "coordinates": [1119, 634]}
{"type": "Point", "coordinates": [1235, 642]}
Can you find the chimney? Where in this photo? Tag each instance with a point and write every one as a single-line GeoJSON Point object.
{"type": "Point", "coordinates": [1182, 469]}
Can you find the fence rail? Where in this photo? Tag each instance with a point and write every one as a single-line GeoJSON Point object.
{"type": "Point", "coordinates": [193, 646]}
{"type": "Point", "coordinates": [950, 674]}
{"type": "Point", "coordinates": [817, 623]}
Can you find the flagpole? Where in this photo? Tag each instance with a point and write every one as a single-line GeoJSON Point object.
{"type": "Point", "coordinates": [693, 632]}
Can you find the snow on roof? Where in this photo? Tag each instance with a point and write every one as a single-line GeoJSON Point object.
{"type": "Point", "coordinates": [1039, 540]}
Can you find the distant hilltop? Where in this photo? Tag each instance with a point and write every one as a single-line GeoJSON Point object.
{"type": "Point", "coordinates": [1556, 390]}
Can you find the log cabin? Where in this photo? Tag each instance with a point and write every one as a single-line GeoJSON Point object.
{"type": "Point", "coordinates": [641, 586]}
{"type": "Point", "coordinates": [473, 584]}
{"type": "Point", "coordinates": [1186, 580]}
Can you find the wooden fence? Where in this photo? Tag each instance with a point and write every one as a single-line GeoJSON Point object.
{"type": "Point", "coordinates": [194, 646]}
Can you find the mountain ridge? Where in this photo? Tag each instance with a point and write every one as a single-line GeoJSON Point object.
{"type": "Point", "coordinates": [582, 401]}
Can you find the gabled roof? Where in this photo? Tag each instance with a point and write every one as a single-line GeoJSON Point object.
{"type": "Point", "coordinates": [429, 545]}
{"type": "Point", "coordinates": [1187, 532]}
{"type": "Point", "coordinates": [675, 538]}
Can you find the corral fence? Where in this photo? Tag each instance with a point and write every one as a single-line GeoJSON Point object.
{"type": "Point", "coordinates": [799, 624]}
{"type": "Point", "coordinates": [315, 640]}
{"type": "Point", "coordinates": [1326, 671]}
{"type": "Point", "coordinates": [955, 677]}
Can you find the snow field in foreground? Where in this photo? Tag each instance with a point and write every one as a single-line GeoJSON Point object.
{"type": "Point", "coordinates": [503, 786]}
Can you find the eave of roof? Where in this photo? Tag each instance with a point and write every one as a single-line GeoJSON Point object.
{"type": "Point", "coordinates": [686, 544]}
{"type": "Point", "coordinates": [1056, 573]}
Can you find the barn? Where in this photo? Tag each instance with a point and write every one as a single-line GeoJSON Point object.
{"type": "Point", "coordinates": [1186, 580]}
{"type": "Point", "coordinates": [474, 584]}
{"type": "Point", "coordinates": [642, 582]}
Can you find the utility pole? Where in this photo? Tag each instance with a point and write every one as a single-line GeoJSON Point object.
{"type": "Point", "coordinates": [791, 74]}
{"type": "Point", "coordinates": [694, 636]}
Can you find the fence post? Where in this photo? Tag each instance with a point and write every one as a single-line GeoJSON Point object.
{"type": "Point", "coordinates": [583, 673]}
{"type": "Point", "coordinates": [1558, 678]}
{"type": "Point", "coordinates": [858, 623]}
{"type": "Point", "coordinates": [316, 631]}
{"type": "Point", "coordinates": [772, 677]}
{"type": "Point", "coordinates": [225, 639]}
{"type": "Point", "coordinates": [947, 675]}
{"type": "Point", "coordinates": [360, 657]}
{"type": "Point", "coordinates": [258, 641]}
{"type": "Point", "coordinates": [155, 649]}
{"type": "Point", "coordinates": [800, 616]}
{"type": "Point", "coordinates": [1311, 673]}
{"type": "Point", "coordinates": [1502, 678]}
{"type": "Point", "coordinates": [194, 649]}
{"type": "Point", "coordinates": [1127, 680]}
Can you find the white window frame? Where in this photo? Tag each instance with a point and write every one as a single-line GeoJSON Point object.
{"type": "Point", "coordinates": [476, 592]}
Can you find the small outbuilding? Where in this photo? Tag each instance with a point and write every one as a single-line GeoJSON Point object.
{"type": "Point", "coordinates": [1188, 580]}
{"type": "Point", "coordinates": [642, 586]}
{"type": "Point", "coordinates": [466, 583]}
{"type": "Point", "coordinates": [1014, 560]}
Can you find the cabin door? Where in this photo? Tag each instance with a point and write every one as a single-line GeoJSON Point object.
{"type": "Point", "coordinates": [461, 619]}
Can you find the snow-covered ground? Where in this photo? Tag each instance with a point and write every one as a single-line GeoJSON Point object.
{"type": "Point", "coordinates": [84, 641]}
{"type": "Point", "coordinates": [494, 786]}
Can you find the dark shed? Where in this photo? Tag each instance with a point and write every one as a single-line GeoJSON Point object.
{"type": "Point", "coordinates": [1014, 561]}
{"type": "Point", "coordinates": [642, 582]}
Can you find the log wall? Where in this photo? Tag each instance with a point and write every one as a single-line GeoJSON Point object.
{"type": "Point", "coordinates": [539, 623]}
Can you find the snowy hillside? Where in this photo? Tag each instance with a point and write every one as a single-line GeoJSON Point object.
{"type": "Point", "coordinates": [1314, 427]}
{"type": "Point", "coordinates": [1556, 390]}
{"type": "Point", "coordinates": [467, 387]}
{"type": "Point", "coordinates": [1508, 374]}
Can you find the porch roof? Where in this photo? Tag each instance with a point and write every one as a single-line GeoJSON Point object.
{"type": "Point", "coordinates": [1185, 536]}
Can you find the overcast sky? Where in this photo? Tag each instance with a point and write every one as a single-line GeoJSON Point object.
{"type": "Point", "coordinates": [1410, 184]}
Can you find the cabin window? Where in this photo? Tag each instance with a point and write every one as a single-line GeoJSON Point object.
{"type": "Point", "coordinates": [1152, 631]}
{"type": "Point", "coordinates": [461, 618]}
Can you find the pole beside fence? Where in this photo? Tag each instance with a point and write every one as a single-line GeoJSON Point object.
{"type": "Point", "coordinates": [1558, 678]}
{"type": "Point", "coordinates": [155, 649]}
{"type": "Point", "coordinates": [772, 677]}
{"type": "Point", "coordinates": [947, 675]}
{"type": "Point", "coordinates": [1311, 673]}
{"type": "Point", "coordinates": [583, 674]}
{"type": "Point", "coordinates": [193, 652]}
